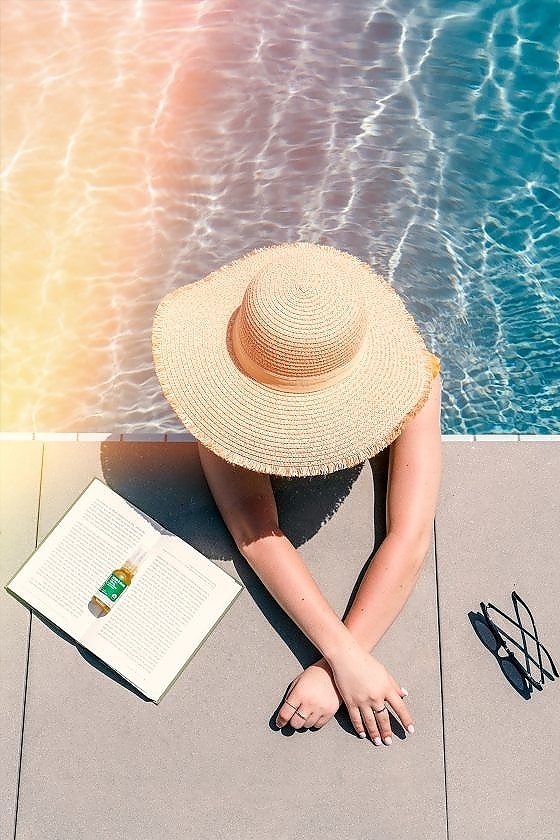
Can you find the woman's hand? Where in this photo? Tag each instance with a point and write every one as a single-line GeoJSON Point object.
{"type": "Point", "coordinates": [311, 700]}
{"type": "Point", "coordinates": [366, 688]}
{"type": "Point", "coordinates": [314, 697]}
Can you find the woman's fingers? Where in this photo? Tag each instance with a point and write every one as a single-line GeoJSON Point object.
{"type": "Point", "coordinates": [299, 719]}
{"type": "Point", "coordinates": [295, 715]}
{"type": "Point", "coordinates": [366, 722]}
{"type": "Point", "coordinates": [370, 721]}
{"type": "Point", "coordinates": [383, 724]}
{"type": "Point", "coordinates": [285, 713]}
{"type": "Point", "coordinates": [401, 710]}
{"type": "Point", "coordinates": [375, 722]}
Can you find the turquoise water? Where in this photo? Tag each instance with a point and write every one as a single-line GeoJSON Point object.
{"type": "Point", "coordinates": [423, 137]}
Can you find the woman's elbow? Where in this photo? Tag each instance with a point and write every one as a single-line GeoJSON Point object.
{"type": "Point", "coordinates": [413, 545]}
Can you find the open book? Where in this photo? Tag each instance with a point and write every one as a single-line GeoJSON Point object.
{"type": "Point", "coordinates": [175, 599]}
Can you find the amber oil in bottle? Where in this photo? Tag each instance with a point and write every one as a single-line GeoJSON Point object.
{"type": "Point", "coordinates": [117, 583]}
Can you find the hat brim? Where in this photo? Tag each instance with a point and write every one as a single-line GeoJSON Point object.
{"type": "Point", "coordinates": [285, 433]}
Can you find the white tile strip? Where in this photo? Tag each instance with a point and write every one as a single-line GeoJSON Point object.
{"type": "Point", "coordinates": [96, 437]}
{"type": "Point", "coordinates": [143, 437]}
{"type": "Point", "coordinates": [498, 437]}
{"type": "Point", "coordinates": [539, 438]}
{"type": "Point", "coordinates": [186, 437]}
{"type": "Point", "coordinates": [55, 436]}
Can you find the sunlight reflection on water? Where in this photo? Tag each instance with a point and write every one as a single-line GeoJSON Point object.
{"type": "Point", "coordinates": [157, 140]}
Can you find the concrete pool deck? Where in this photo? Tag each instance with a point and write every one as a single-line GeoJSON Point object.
{"type": "Point", "coordinates": [84, 757]}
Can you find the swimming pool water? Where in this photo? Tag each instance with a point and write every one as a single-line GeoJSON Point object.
{"type": "Point", "coordinates": [149, 142]}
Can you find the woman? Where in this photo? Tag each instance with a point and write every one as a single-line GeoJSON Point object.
{"type": "Point", "coordinates": [298, 360]}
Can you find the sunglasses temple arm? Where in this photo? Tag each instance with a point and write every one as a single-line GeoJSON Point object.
{"type": "Point", "coordinates": [524, 633]}
{"type": "Point", "coordinates": [517, 599]}
{"type": "Point", "coordinates": [537, 641]}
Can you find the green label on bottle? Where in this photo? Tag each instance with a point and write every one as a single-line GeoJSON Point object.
{"type": "Point", "coordinates": [112, 588]}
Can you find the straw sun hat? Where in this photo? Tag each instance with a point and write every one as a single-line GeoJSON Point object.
{"type": "Point", "coordinates": [293, 360]}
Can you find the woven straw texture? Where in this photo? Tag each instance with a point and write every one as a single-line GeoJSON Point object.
{"type": "Point", "coordinates": [292, 360]}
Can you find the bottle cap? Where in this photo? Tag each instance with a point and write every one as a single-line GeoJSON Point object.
{"type": "Point", "coordinates": [133, 562]}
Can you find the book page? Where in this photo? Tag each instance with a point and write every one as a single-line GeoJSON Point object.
{"type": "Point", "coordinates": [94, 537]}
{"type": "Point", "coordinates": [170, 607]}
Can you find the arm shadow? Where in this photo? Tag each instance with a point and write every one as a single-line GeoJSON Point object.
{"type": "Point", "coordinates": [380, 476]}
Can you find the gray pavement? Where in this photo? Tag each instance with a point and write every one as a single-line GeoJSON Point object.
{"type": "Point", "coordinates": [85, 757]}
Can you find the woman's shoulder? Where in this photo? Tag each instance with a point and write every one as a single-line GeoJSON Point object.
{"type": "Point", "coordinates": [435, 364]}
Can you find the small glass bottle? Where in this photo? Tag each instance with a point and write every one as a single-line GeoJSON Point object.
{"type": "Point", "coordinates": [118, 582]}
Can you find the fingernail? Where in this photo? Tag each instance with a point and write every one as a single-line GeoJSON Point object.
{"type": "Point", "coordinates": [410, 729]}
{"type": "Point", "coordinates": [404, 691]}
{"type": "Point", "coordinates": [387, 741]}
{"type": "Point", "coordinates": [361, 735]}
{"type": "Point", "coordinates": [377, 741]}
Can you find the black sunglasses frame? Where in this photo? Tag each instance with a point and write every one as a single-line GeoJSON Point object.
{"type": "Point", "coordinates": [501, 638]}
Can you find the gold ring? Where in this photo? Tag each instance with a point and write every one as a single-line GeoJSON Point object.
{"type": "Point", "coordinates": [299, 714]}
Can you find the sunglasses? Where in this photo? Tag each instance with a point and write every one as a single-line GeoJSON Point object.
{"type": "Point", "coordinates": [533, 662]}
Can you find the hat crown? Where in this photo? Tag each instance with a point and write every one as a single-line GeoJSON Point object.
{"type": "Point", "coordinates": [298, 322]}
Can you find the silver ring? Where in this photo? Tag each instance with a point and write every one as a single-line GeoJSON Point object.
{"type": "Point", "coordinates": [295, 708]}
{"type": "Point", "coordinates": [299, 714]}
{"type": "Point", "coordinates": [378, 711]}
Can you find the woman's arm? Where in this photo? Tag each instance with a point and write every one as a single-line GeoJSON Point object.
{"type": "Point", "coordinates": [414, 479]}
{"type": "Point", "coordinates": [247, 504]}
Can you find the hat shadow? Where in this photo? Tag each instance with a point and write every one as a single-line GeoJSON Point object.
{"type": "Point", "coordinates": [166, 482]}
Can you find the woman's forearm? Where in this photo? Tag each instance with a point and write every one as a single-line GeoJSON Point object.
{"type": "Point", "coordinates": [283, 572]}
{"type": "Point", "coordinates": [413, 487]}
{"type": "Point", "coordinates": [384, 590]}
{"type": "Point", "coordinates": [246, 502]}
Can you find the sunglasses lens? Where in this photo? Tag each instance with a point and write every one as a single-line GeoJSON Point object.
{"type": "Point", "coordinates": [487, 637]}
{"type": "Point", "coordinates": [514, 675]}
